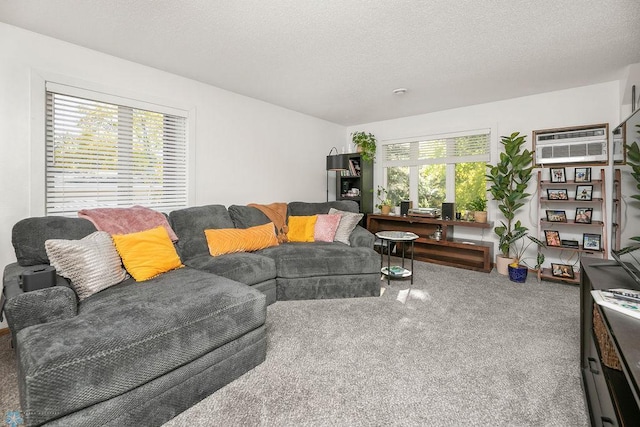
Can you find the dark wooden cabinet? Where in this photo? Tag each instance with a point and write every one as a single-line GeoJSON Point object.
{"type": "Point", "coordinates": [463, 253]}
{"type": "Point", "coordinates": [609, 349]}
{"type": "Point", "coordinates": [359, 176]}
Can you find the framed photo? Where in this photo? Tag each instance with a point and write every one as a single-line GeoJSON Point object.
{"type": "Point", "coordinates": [574, 244]}
{"type": "Point", "coordinates": [582, 175]}
{"type": "Point", "coordinates": [556, 216]}
{"type": "Point", "coordinates": [552, 237]}
{"type": "Point", "coordinates": [591, 242]}
{"type": "Point", "coordinates": [558, 175]}
{"type": "Point", "coordinates": [562, 270]}
{"type": "Point", "coordinates": [584, 192]}
{"type": "Point", "coordinates": [558, 194]}
{"type": "Point", "coordinates": [583, 215]}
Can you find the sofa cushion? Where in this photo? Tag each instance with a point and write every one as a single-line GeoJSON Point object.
{"type": "Point", "coordinates": [305, 208]}
{"type": "Point", "coordinates": [148, 253]}
{"type": "Point", "coordinates": [190, 223]}
{"type": "Point", "coordinates": [28, 236]}
{"type": "Point", "coordinates": [230, 240]}
{"type": "Point", "coordinates": [129, 334]}
{"type": "Point", "coordinates": [244, 267]}
{"type": "Point", "coordinates": [301, 228]}
{"type": "Point", "coordinates": [348, 223]}
{"type": "Point", "coordinates": [91, 263]}
{"type": "Point", "coordinates": [295, 260]}
{"type": "Point", "coordinates": [247, 216]}
{"type": "Point", "coordinates": [326, 227]}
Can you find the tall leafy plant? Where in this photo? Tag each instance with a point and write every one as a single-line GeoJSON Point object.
{"type": "Point", "coordinates": [633, 160]}
{"type": "Point", "coordinates": [509, 179]}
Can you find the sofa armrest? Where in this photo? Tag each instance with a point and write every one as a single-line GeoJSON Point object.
{"type": "Point", "coordinates": [24, 309]}
{"type": "Point", "coordinates": [362, 238]}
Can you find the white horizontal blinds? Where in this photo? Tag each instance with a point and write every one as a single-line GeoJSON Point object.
{"type": "Point", "coordinates": [101, 154]}
{"type": "Point", "coordinates": [460, 148]}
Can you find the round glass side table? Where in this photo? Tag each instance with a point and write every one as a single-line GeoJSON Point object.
{"type": "Point", "coordinates": [388, 237]}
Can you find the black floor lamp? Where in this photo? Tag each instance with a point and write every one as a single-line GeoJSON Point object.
{"type": "Point", "coordinates": [335, 162]}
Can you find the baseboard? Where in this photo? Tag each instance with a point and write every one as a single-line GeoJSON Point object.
{"type": "Point", "coordinates": [4, 331]}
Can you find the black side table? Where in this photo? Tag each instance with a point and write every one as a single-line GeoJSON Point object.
{"type": "Point", "coordinates": [396, 272]}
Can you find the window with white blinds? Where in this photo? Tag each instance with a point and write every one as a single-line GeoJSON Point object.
{"type": "Point", "coordinates": [454, 149]}
{"type": "Point", "coordinates": [432, 170]}
{"type": "Point", "coordinates": [110, 154]}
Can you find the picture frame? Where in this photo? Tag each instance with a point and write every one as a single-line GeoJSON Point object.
{"type": "Point", "coordinates": [583, 215]}
{"type": "Point", "coordinates": [556, 216]}
{"type": "Point", "coordinates": [562, 270]}
{"type": "Point", "coordinates": [584, 192]}
{"type": "Point", "coordinates": [591, 242]}
{"type": "Point", "coordinates": [582, 175]}
{"type": "Point", "coordinates": [573, 244]}
{"type": "Point", "coordinates": [557, 194]}
{"type": "Point", "coordinates": [558, 175]}
{"type": "Point", "coordinates": [552, 238]}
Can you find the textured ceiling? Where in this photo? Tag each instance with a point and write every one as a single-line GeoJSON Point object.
{"type": "Point", "coordinates": [340, 60]}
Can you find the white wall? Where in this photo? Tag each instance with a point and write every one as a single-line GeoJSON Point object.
{"type": "Point", "coordinates": [245, 150]}
{"type": "Point", "coordinates": [572, 107]}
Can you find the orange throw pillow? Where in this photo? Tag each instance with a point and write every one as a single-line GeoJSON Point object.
{"type": "Point", "coordinates": [230, 240]}
{"type": "Point", "coordinates": [302, 228]}
{"type": "Point", "coordinates": [147, 254]}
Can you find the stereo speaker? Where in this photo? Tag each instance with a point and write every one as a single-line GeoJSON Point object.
{"type": "Point", "coordinates": [405, 205]}
{"type": "Point", "coordinates": [448, 211]}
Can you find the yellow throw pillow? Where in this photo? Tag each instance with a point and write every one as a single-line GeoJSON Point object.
{"type": "Point", "coordinates": [301, 228]}
{"type": "Point", "coordinates": [230, 240]}
{"type": "Point", "coordinates": [146, 254]}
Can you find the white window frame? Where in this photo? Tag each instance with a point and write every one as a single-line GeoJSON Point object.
{"type": "Point", "coordinates": [37, 162]}
{"type": "Point", "coordinates": [415, 162]}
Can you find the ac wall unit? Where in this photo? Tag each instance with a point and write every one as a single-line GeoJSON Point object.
{"type": "Point", "coordinates": [585, 144]}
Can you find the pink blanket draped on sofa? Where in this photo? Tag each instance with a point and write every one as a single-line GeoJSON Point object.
{"type": "Point", "coordinates": [127, 220]}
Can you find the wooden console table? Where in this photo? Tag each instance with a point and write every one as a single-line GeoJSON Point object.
{"type": "Point", "coordinates": [463, 253]}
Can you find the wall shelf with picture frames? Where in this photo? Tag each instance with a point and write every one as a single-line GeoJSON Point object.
{"type": "Point", "coordinates": [572, 220]}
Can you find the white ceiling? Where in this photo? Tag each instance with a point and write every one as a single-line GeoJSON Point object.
{"type": "Point", "coordinates": [341, 59]}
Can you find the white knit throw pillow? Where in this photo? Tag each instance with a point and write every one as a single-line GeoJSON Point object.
{"type": "Point", "coordinates": [91, 264]}
{"type": "Point", "coordinates": [348, 222]}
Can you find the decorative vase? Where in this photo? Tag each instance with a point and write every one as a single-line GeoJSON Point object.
{"type": "Point", "coordinates": [480, 216]}
{"type": "Point", "coordinates": [518, 273]}
{"type": "Point", "coordinates": [502, 263]}
{"type": "Point", "coordinates": [385, 209]}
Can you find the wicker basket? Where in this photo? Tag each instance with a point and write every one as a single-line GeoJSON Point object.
{"type": "Point", "coordinates": [607, 351]}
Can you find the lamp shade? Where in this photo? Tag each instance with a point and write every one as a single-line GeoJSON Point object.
{"type": "Point", "coordinates": [336, 163]}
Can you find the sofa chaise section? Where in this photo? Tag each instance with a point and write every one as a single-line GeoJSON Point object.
{"type": "Point", "coordinates": [137, 353]}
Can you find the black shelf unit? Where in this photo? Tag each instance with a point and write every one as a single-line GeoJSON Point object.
{"type": "Point", "coordinates": [360, 176]}
{"type": "Point", "coordinates": [609, 349]}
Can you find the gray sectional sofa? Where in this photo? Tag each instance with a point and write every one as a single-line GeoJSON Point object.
{"type": "Point", "coordinates": [139, 353]}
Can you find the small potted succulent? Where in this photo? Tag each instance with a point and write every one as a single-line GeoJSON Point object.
{"type": "Point", "coordinates": [365, 143]}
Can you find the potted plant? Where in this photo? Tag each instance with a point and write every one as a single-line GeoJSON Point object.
{"type": "Point", "coordinates": [633, 160]}
{"type": "Point", "coordinates": [509, 179]}
{"type": "Point", "coordinates": [479, 208]}
{"type": "Point", "coordinates": [365, 143]}
{"type": "Point", "coordinates": [384, 203]}
{"type": "Point", "coordinates": [519, 269]}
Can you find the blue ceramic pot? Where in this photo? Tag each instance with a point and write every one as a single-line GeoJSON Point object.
{"type": "Point", "coordinates": [518, 274]}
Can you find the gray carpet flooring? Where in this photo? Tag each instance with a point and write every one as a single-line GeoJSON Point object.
{"type": "Point", "coordinates": [458, 348]}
